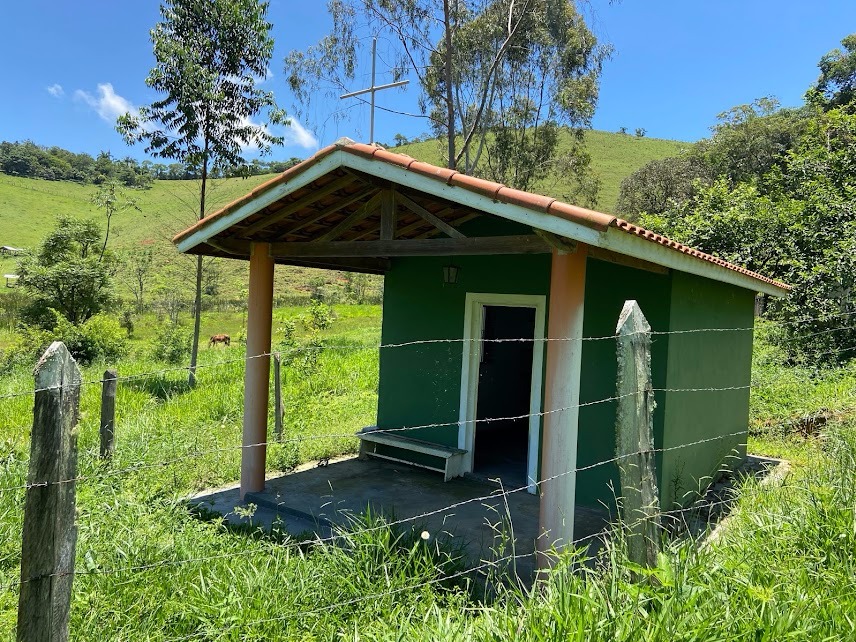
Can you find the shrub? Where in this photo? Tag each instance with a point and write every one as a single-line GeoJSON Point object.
{"type": "Point", "coordinates": [172, 344]}
{"type": "Point", "coordinates": [98, 338]}
{"type": "Point", "coordinates": [320, 315]}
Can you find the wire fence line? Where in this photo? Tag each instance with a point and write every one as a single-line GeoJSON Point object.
{"type": "Point", "coordinates": [492, 496]}
{"type": "Point", "coordinates": [500, 493]}
{"type": "Point", "coordinates": [351, 435]}
{"type": "Point", "coordinates": [421, 342]}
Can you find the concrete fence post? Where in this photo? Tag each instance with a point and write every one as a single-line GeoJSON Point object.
{"type": "Point", "coordinates": [634, 434]}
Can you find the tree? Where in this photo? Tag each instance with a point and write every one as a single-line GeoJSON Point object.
{"type": "Point", "coordinates": [797, 224]}
{"type": "Point", "coordinates": [210, 55]}
{"type": "Point", "coordinates": [660, 185]}
{"type": "Point", "coordinates": [138, 266]}
{"type": "Point", "coordinates": [499, 78]}
{"type": "Point", "coordinates": [111, 198]}
{"type": "Point", "coordinates": [748, 141]}
{"type": "Point", "coordinates": [836, 86]}
{"type": "Point", "coordinates": [67, 274]}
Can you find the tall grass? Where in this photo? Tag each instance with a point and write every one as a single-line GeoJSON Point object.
{"type": "Point", "coordinates": [782, 568]}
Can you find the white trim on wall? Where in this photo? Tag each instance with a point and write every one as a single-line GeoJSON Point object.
{"type": "Point", "coordinates": [471, 357]}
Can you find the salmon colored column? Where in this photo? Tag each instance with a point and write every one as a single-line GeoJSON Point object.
{"type": "Point", "coordinates": [561, 391]}
{"type": "Point", "coordinates": [257, 373]}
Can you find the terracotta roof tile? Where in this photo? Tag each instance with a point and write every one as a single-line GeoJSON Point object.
{"type": "Point", "coordinates": [525, 199]}
{"type": "Point", "coordinates": [478, 185]}
{"type": "Point", "coordinates": [494, 191]}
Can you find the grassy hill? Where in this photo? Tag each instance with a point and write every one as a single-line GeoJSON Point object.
{"type": "Point", "coordinates": [614, 157]}
{"type": "Point", "coordinates": [28, 207]}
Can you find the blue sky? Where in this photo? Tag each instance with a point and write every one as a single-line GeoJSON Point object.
{"type": "Point", "coordinates": [70, 67]}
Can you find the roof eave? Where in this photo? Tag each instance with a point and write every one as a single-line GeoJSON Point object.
{"type": "Point", "coordinates": [594, 233]}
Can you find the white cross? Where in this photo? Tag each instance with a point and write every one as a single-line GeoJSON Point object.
{"type": "Point", "coordinates": [374, 88]}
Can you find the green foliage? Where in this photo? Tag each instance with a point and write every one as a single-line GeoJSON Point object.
{"type": "Point", "coordinates": [748, 142]}
{"type": "Point", "coordinates": [836, 86]}
{"type": "Point", "coordinates": [783, 569]}
{"type": "Point", "coordinates": [126, 322]}
{"type": "Point", "coordinates": [112, 199]}
{"type": "Point", "coordinates": [520, 73]}
{"type": "Point", "coordinates": [797, 225]}
{"type": "Point", "coordinates": [500, 82]}
{"type": "Point", "coordinates": [99, 338]}
{"type": "Point", "coordinates": [57, 164]}
{"type": "Point", "coordinates": [320, 315]}
{"type": "Point", "coordinates": [67, 274]}
{"type": "Point", "coordinates": [210, 55]}
{"type": "Point", "coordinates": [171, 344]}
{"type": "Point", "coordinates": [661, 184]}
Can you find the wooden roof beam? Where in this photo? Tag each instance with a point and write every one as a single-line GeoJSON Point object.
{"type": "Point", "coordinates": [318, 216]}
{"type": "Point", "coordinates": [523, 244]}
{"type": "Point", "coordinates": [366, 210]}
{"type": "Point", "coordinates": [437, 222]}
{"type": "Point", "coordinates": [313, 197]}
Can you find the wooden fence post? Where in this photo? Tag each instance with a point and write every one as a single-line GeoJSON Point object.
{"type": "Point", "coordinates": [278, 410]}
{"type": "Point", "coordinates": [108, 414]}
{"type": "Point", "coordinates": [50, 534]}
{"type": "Point", "coordinates": [634, 435]}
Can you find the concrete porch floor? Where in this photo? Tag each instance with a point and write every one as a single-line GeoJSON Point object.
{"type": "Point", "coordinates": [313, 499]}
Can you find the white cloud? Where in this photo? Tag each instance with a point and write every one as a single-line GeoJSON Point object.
{"type": "Point", "coordinates": [297, 134]}
{"type": "Point", "coordinates": [56, 90]}
{"type": "Point", "coordinates": [107, 104]}
{"type": "Point", "coordinates": [294, 135]}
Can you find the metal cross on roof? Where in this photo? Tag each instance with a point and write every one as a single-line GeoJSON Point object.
{"type": "Point", "coordinates": [373, 89]}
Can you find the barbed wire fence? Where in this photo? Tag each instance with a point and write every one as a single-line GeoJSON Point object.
{"type": "Point", "coordinates": [36, 484]}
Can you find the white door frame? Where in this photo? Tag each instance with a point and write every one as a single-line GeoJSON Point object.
{"type": "Point", "coordinates": [471, 358]}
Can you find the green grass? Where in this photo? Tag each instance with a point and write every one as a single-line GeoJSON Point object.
{"type": "Point", "coordinates": [784, 569]}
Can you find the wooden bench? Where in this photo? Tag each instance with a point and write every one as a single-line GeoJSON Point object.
{"type": "Point", "coordinates": [372, 437]}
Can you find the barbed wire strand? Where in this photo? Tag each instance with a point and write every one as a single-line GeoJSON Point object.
{"type": "Point", "coordinates": [419, 342]}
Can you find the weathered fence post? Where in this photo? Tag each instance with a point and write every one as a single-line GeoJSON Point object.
{"type": "Point", "coordinates": [50, 534]}
{"type": "Point", "coordinates": [108, 414]}
{"type": "Point", "coordinates": [634, 435]}
{"type": "Point", "coordinates": [277, 395]}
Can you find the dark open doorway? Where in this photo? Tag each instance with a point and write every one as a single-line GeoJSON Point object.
{"type": "Point", "coordinates": [504, 390]}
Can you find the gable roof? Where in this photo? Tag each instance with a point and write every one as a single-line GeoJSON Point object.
{"type": "Point", "coordinates": [291, 196]}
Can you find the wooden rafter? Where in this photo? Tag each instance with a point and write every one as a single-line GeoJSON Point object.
{"type": "Point", "coordinates": [455, 223]}
{"type": "Point", "coordinates": [335, 207]}
{"type": "Point", "coordinates": [437, 222]}
{"type": "Point", "coordinates": [366, 210]}
{"type": "Point", "coordinates": [311, 198]}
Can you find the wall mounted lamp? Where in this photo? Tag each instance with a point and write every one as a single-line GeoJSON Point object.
{"type": "Point", "coordinates": [450, 274]}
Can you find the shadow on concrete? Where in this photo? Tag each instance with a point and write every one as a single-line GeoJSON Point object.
{"type": "Point", "coordinates": [468, 514]}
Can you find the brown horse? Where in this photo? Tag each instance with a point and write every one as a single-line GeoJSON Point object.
{"type": "Point", "coordinates": [225, 339]}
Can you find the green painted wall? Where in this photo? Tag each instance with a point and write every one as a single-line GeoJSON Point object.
{"type": "Point", "coordinates": [705, 360]}
{"type": "Point", "coordinates": [608, 286]}
{"type": "Point", "coordinates": [421, 384]}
